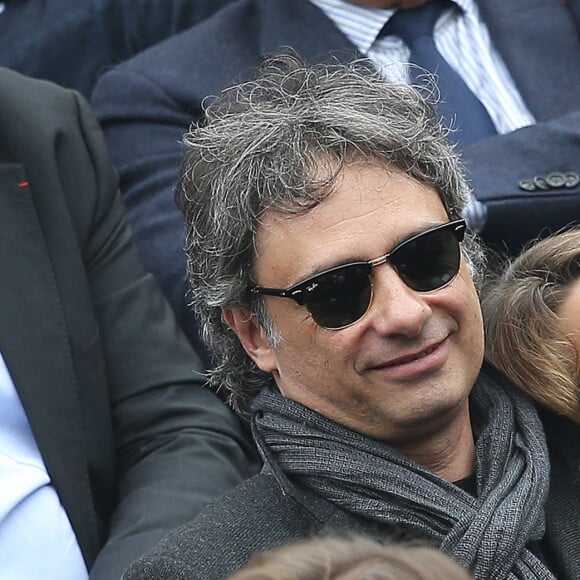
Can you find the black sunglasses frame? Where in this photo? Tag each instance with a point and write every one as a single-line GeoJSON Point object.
{"type": "Point", "coordinates": [299, 292]}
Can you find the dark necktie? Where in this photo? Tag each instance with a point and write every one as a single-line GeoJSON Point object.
{"type": "Point", "coordinates": [458, 106]}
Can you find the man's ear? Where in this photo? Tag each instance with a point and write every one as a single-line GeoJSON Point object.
{"type": "Point", "coordinates": [252, 336]}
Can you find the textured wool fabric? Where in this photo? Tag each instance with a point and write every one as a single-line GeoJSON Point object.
{"type": "Point", "coordinates": [487, 533]}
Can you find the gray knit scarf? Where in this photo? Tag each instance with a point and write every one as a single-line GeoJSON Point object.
{"type": "Point", "coordinates": [487, 534]}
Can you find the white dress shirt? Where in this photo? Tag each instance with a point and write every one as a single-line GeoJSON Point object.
{"type": "Point", "coordinates": [36, 538]}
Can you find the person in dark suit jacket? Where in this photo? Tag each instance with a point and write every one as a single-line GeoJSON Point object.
{"type": "Point", "coordinates": [72, 42]}
{"type": "Point", "coordinates": [147, 103]}
{"type": "Point", "coordinates": [131, 442]}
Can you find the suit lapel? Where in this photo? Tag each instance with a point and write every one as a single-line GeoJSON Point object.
{"type": "Point", "coordinates": [304, 27]}
{"type": "Point", "coordinates": [537, 40]}
{"type": "Point", "coordinates": [35, 344]}
{"type": "Point", "coordinates": [245, 39]}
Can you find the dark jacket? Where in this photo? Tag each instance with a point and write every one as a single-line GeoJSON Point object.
{"type": "Point", "coordinates": [72, 42]}
{"type": "Point", "coordinates": [146, 104]}
{"type": "Point", "coordinates": [133, 444]}
{"type": "Point", "coordinates": [268, 511]}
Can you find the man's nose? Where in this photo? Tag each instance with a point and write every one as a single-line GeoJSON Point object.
{"type": "Point", "coordinates": [396, 309]}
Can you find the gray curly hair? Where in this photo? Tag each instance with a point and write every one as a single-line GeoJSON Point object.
{"type": "Point", "coordinates": [261, 147]}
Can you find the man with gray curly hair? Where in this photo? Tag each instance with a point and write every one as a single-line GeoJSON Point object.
{"type": "Point", "coordinates": [334, 279]}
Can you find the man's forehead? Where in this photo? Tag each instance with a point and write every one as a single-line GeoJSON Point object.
{"type": "Point", "coordinates": [350, 187]}
{"type": "Point", "coordinates": [370, 209]}
{"type": "Point", "coordinates": [361, 185]}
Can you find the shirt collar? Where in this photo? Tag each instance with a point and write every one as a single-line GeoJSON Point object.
{"type": "Point", "coordinates": [360, 24]}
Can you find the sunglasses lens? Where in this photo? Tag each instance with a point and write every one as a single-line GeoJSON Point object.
{"type": "Point", "coordinates": [339, 298]}
{"type": "Point", "coordinates": [429, 261]}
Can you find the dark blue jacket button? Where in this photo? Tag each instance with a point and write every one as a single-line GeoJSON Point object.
{"type": "Point", "coordinates": [527, 185]}
{"type": "Point", "coordinates": [540, 182]}
{"type": "Point", "coordinates": [556, 180]}
{"type": "Point", "coordinates": [572, 179]}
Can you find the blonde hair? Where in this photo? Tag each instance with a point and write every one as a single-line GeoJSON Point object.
{"type": "Point", "coordinates": [352, 558]}
{"type": "Point", "coordinates": [523, 335]}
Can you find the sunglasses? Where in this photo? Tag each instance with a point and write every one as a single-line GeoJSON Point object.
{"type": "Point", "coordinates": [340, 296]}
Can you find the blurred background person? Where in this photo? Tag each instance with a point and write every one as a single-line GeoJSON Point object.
{"type": "Point", "coordinates": [532, 322]}
{"type": "Point", "coordinates": [351, 558]}
{"type": "Point", "coordinates": [72, 42]}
